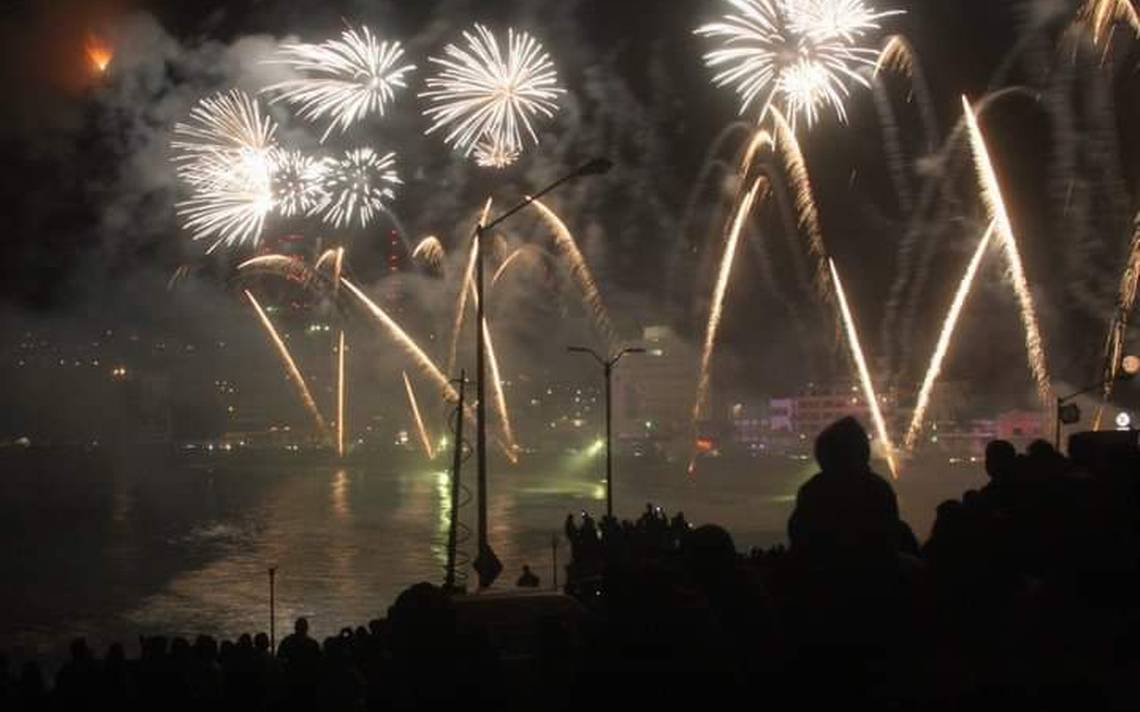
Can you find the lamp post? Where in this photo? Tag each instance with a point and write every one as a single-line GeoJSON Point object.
{"type": "Point", "coordinates": [487, 564]}
{"type": "Point", "coordinates": [607, 369]}
{"type": "Point", "coordinates": [1069, 413]}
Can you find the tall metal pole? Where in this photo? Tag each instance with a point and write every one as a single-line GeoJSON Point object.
{"type": "Point", "coordinates": [456, 464]}
{"type": "Point", "coordinates": [481, 413]}
{"type": "Point", "coordinates": [609, 440]}
{"type": "Point", "coordinates": [272, 610]}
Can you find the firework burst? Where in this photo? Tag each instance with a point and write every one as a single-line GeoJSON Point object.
{"type": "Point", "coordinates": [492, 154]}
{"type": "Point", "coordinates": [799, 54]}
{"type": "Point", "coordinates": [346, 80]}
{"type": "Point", "coordinates": [359, 185]}
{"type": "Point", "coordinates": [226, 153]}
{"type": "Point", "coordinates": [298, 184]}
{"type": "Point", "coordinates": [483, 94]}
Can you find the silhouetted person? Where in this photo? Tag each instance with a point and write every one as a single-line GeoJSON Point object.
{"type": "Point", "coordinates": [846, 515]}
{"type": "Point", "coordinates": [301, 657]}
{"type": "Point", "coordinates": [78, 679]}
{"type": "Point", "coordinates": [528, 578]}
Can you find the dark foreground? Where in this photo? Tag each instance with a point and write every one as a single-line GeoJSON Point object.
{"type": "Point", "coordinates": [1026, 596]}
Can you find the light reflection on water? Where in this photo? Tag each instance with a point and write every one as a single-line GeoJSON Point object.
{"type": "Point", "coordinates": [188, 551]}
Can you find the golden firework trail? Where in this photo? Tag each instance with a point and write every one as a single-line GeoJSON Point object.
{"type": "Point", "coordinates": [270, 261]}
{"type": "Point", "coordinates": [1102, 15]}
{"type": "Point", "coordinates": [899, 56]}
{"type": "Point", "coordinates": [944, 339]}
{"type": "Point", "coordinates": [290, 366]}
{"type": "Point", "coordinates": [1125, 303]}
{"type": "Point", "coordinates": [719, 292]}
{"type": "Point", "coordinates": [1003, 228]}
{"type": "Point", "coordinates": [864, 374]}
{"type": "Point", "coordinates": [340, 396]}
{"type": "Point", "coordinates": [412, 349]}
{"type": "Point", "coordinates": [467, 283]}
{"type": "Point", "coordinates": [579, 269]}
{"type": "Point", "coordinates": [807, 211]}
{"type": "Point", "coordinates": [338, 268]}
{"type": "Point", "coordinates": [496, 381]}
{"type": "Point", "coordinates": [425, 439]}
{"type": "Point", "coordinates": [506, 263]}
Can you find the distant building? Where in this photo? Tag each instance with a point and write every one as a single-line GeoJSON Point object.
{"type": "Point", "coordinates": [1022, 426]}
{"type": "Point", "coordinates": [653, 392]}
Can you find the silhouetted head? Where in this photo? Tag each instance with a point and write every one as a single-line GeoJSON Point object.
{"type": "Point", "coordinates": [422, 617]}
{"type": "Point", "coordinates": [526, 569]}
{"type": "Point", "coordinates": [709, 552]}
{"type": "Point", "coordinates": [301, 627]}
{"type": "Point", "coordinates": [1041, 450]}
{"type": "Point", "coordinates": [116, 654]}
{"type": "Point", "coordinates": [1001, 458]}
{"type": "Point", "coordinates": [79, 649]}
{"type": "Point", "coordinates": [843, 447]}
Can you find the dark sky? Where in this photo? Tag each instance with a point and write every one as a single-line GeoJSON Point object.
{"type": "Point", "coordinates": [88, 206]}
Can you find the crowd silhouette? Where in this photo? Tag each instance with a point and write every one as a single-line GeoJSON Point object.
{"type": "Point", "coordinates": [1024, 596]}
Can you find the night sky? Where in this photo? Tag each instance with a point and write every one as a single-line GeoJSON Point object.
{"type": "Point", "coordinates": [90, 229]}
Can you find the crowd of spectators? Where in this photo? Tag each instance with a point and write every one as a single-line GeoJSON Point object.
{"type": "Point", "coordinates": [1024, 596]}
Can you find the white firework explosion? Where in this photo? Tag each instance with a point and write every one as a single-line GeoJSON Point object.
{"type": "Point", "coordinates": [225, 153]}
{"type": "Point", "coordinates": [346, 80]}
{"type": "Point", "coordinates": [298, 184]}
{"type": "Point", "coordinates": [358, 185]}
{"type": "Point", "coordinates": [800, 55]}
{"type": "Point", "coordinates": [483, 93]}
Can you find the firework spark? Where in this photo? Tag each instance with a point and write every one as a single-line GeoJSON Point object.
{"type": "Point", "coordinates": [719, 292]}
{"type": "Point", "coordinates": [226, 154]}
{"type": "Point", "coordinates": [425, 439]}
{"type": "Point", "coordinates": [298, 183]}
{"type": "Point", "coordinates": [798, 54]}
{"type": "Point", "coordinates": [430, 251]}
{"type": "Point", "coordinates": [995, 207]}
{"type": "Point", "coordinates": [340, 396]}
{"type": "Point", "coordinates": [358, 186]}
{"type": "Point", "coordinates": [480, 93]}
{"type": "Point", "coordinates": [346, 80]}
{"type": "Point", "coordinates": [579, 269]}
{"type": "Point", "coordinates": [868, 386]}
{"type": "Point", "coordinates": [290, 366]}
{"type": "Point", "coordinates": [944, 339]}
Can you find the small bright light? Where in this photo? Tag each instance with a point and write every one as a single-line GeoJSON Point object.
{"type": "Point", "coordinates": [1123, 421]}
{"type": "Point", "coordinates": [1130, 365]}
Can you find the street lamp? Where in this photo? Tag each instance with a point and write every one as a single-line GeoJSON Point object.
{"type": "Point", "coordinates": [608, 370]}
{"type": "Point", "coordinates": [1070, 413]}
{"type": "Point", "coordinates": [487, 565]}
